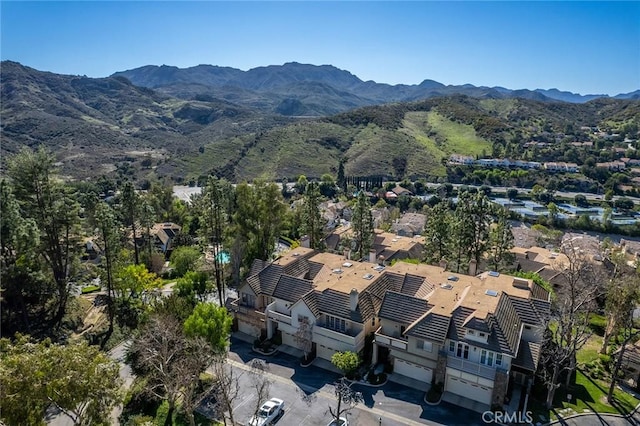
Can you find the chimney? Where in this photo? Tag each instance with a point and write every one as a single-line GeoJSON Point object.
{"type": "Point", "coordinates": [473, 266]}
{"type": "Point", "coordinates": [443, 264]}
{"type": "Point", "coordinates": [347, 253]}
{"type": "Point", "coordinates": [353, 299]}
{"type": "Point", "coordinates": [372, 256]}
{"type": "Point", "coordinates": [304, 241]}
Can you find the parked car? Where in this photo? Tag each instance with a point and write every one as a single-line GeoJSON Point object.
{"type": "Point", "coordinates": [268, 413]}
{"type": "Point", "coordinates": [343, 422]}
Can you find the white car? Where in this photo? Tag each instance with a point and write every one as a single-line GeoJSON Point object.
{"type": "Point", "coordinates": [269, 411]}
{"type": "Point", "coordinates": [343, 422]}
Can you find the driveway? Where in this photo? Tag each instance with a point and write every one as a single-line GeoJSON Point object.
{"type": "Point", "coordinates": [308, 393]}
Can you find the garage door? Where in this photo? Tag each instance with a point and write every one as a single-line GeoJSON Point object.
{"type": "Point", "coordinates": [288, 339]}
{"type": "Point", "coordinates": [248, 329]}
{"type": "Point", "coordinates": [411, 370]}
{"type": "Point", "coordinates": [324, 352]}
{"type": "Point", "coordinates": [469, 390]}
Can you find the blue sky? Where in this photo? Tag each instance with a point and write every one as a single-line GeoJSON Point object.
{"type": "Point", "coordinates": [583, 47]}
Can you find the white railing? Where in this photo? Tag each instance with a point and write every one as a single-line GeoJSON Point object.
{"type": "Point", "coordinates": [246, 310]}
{"type": "Point", "coordinates": [354, 342]}
{"type": "Point", "coordinates": [471, 367]}
{"type": "Point", "coordinates": [286, 319]}
{"type": "Point", "coordinates": [383, 339]}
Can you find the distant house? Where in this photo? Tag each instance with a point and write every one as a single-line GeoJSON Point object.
{"type": "Point", "coordinates": [386, 246]}
{"type": "Point", "coordinates": [561, 167]}
{"type": "Point", "coordinates": [461, 159]}
{"type": "Point", "coordinates": [409, 224]}
{"type": "Point", "coordinates": [163, 235]}
{"type": "Point", "coordinates": [91, 249]}
{"type": "Point", "coordinates": [398, 190]}
{"type": "Point", "coordinates": [612, 165]}
{"type": "Point", "coordinates": [390, 195]}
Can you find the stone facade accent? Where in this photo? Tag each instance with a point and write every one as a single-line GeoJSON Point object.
{"type": "Point", "coordinates": [500, 386]}
{"type": "Point", "coordinates": [441, 368]}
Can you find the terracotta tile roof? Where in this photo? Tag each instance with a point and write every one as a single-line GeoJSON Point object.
{"type": "Point", "coordinates": [292, 289]}
{"type": "Point", "coordinates": [311, 300]}
{"type": "Point", "coordinates": [402, 308]}
{"type": "Point", "coordinates": [508, 325]}
{"type": "Point", "coordinates": [431, 327]}
{"type": "Point", "coordinates": [337, 304]}
{"type": "Point", "coordinates": [528, 356]}
{"type": "Point", "coordinates": [531, 311]}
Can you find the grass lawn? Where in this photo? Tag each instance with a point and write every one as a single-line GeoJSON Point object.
{"type": "Point", "coordinates": [586, 394]}
{"type": "Point", "coordinates": [591, 350]}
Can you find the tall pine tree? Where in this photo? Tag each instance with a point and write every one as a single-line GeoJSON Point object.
{"type": "Point", "coordinates": [362, 224]}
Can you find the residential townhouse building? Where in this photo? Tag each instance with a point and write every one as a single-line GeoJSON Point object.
{"type": "Point", "coordinates": [561, 167]}
{"type": "Point", "coordinates": [474, 335]}
{"type": "Point", "coordinates": [612, 165]}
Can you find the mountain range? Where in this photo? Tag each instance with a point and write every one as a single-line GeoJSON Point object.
{"type": "Point", "coordinates": [268, 125]}
{"type": "Point", "coordinates": [302, 89]}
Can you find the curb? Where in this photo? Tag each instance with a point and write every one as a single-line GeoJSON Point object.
{"type": "Point", "coordinates": [261, 352]}
{"type": "Point", "coordinates": [562, 420]}
{"type": "Point", "coordinates": [367, 384]}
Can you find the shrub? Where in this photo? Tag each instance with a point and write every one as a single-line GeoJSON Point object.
{"type": "Point", "coordinates": [90, 289]}
{"type": "Point", "coordinates": [597, 323]}
{"type": "Point", "coordinates": [605, 360]}
{"type": "Point", "coordinates": [376, 379]}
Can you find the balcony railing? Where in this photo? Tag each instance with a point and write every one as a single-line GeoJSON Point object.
{"type": "Point", "coordinates": [351, 339]}
{"type": "Point", "coordinates": [277, 316]}
{"type": "Point", "coordinates": [471, 367]}
{"type": "Point", "coordinates": [391, 342]}
{"type": "Point", "coordinates": [238, 307]}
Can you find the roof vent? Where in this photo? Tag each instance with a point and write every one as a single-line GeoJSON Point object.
{"type": "Point", "coordinates": [452, 278]}
{"type": "Point", "coordinates": [296, 254]}
{"type": "Point", "coordinates": [494, 274]}
{"type": "Point", "coordinates": [337, 271]}
{"type": "Point", "coordinates": [347, 264]}
{"type": "Point", "coordinates": [446, 286]}
{"type": "Point", "coordinates": [492, 293]}
{"type": "Point", "coordinates": [367, 276]}
{"type": "Point", "coordinates": [378, 268]}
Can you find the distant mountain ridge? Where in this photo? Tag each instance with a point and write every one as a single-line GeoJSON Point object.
{"type": "Point", "coordinates": [309, 87]}
{"type": "Point", "coordinates": [97, 126]}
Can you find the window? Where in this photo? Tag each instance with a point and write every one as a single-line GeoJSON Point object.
{"type": "Point", "coordinates": [483, 335]}
{"type": "Point", "coordinates": [337, 324]}
{"type": "Point", "coordinates": [373, 321]}
{"type": "Point", "coordinates": [427, 346]}
{"type": "Point", "coordinates": [487, 358]}
{"type": "Point", "coordinates": [402, 330]}
{"type": "Point", "coordinates": [303, 319]}
{"type": "Point", "coordinates": [452, 346]}
{"type": "Point", "coordinates": [471, 332]}
{"type": "Point", "coordinates": [462, 351]}
{"type": "Point", "coordinates": [527, 327]}
{"type": "Point", "coordinates": [498, 359]}
{"type": "Point", "coordinates": [248, 300]}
